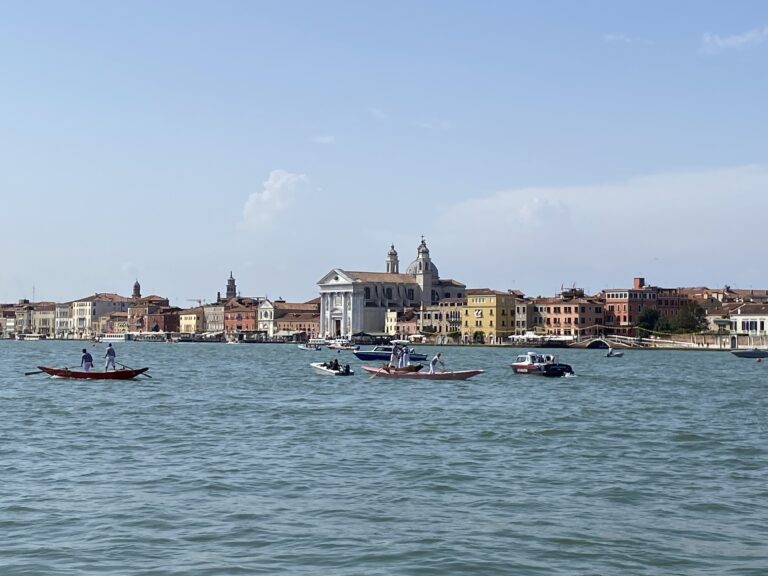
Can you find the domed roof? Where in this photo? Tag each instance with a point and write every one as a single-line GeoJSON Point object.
{"type": "Point", "coordinates": [413, 268]}
{"type": "Point", "coordinates": [423, 247]}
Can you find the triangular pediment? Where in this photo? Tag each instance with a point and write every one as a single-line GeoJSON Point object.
{"type": "Point", "coordinates": [335, 276]}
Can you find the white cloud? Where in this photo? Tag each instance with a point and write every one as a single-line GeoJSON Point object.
{"type": "Point", "coordinates": [443, 125]}
{"type": "Point", "coordinates": [714, 43]}
{"type": "Point", "coordinates": [378, 114]}
{"type": "Point", "coordinates": [324, 139]}
{"type": "Point", "coordinates": [279, 190]}
{"type": "Point", "coordinates": [613, 38]}
{"type": "Point", "coordinates": [674, 228]}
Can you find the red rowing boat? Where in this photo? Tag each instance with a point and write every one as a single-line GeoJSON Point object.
{"type": "Point", "coordinates": [122, 374]}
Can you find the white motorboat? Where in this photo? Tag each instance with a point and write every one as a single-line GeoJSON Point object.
{"type": "Point", "coordinates": [540, 365]}
{"type": "Point", "coordinates": [309, 347]}
{"type": "Point", "coordinates": [613, 354]}
{"type": "Point", "coordinates": [332, 369]}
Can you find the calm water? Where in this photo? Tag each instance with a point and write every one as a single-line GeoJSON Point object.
{"type": "Point", "coordinates": [240, 460]}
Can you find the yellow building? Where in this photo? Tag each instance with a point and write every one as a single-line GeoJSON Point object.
{"type": "Point", "coordinates": [192, 321]}
{"type": "Point", "coordinates": [489, 316]}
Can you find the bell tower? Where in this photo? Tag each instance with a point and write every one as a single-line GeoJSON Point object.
{"type": "Point", "coordinates": [393, 265]}
{"type": "Point", "coordinates": [136, 290]}
{"type": "Point", "coordinates": [424, 273]}
{"type": "Point", "coordinates": [231, 287]}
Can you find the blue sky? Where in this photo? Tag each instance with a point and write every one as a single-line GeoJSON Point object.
{"type": "Point", "coordinates": [533, 144]}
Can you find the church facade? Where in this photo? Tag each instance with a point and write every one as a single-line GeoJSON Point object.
{"type": "Point", "coordinates": [353, 302]}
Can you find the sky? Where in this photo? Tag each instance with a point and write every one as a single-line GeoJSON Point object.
{"type": "Point", "coordinates": [534, 145]}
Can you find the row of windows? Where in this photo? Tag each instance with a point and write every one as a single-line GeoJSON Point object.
{"type": "Point", "coordinates": [631, 295]}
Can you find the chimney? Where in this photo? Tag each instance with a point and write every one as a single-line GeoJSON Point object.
{"type": "Point", "coordinates": [639, 282]}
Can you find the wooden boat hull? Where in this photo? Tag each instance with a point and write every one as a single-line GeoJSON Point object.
{"type": "Point", "coordinates": [122, 374]}
{"type": "Point", "coordinates": [448, 375]}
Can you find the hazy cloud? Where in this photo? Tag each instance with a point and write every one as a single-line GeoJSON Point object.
{"type": "Point", "coordinates": [324, 139]}
{"type": "Point", "coordinates": [671, 227]}
{"type": "Point", "coordinates": [279, 190]}
{"type": "Point", "coordinates": [378, 114]}
{"type": "Point", "coordinates": [613, 38]}
{"type": "Point", "coordinates": [714, 43]}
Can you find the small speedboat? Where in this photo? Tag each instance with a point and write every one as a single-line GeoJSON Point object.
{"type": "Point", "coordinates": [342, 344]}
{"type": "Point", "coordinates": [613, 354]}
{"type": "Point", "coordinates": [121, 374]}
{"type": "Point", "coordinates": [753, 353]}
{"type": "Point", "coordinates": [331, 369]}
{"type": "Point", "coordinates": [540, 365]}
{"type": "Point", "coordinates": [398, 373]}
{"type": "Point", "coordinates": [309, 347]}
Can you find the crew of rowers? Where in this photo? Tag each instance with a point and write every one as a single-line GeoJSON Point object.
{"type": "Point", "coordinates": [400, 357]}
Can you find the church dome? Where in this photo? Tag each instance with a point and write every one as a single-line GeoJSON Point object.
{"type": "Point", "coordinates": [413, 268]}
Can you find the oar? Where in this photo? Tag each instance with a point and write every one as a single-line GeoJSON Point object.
{"type": "Point", "coordinates": [129, 368]}
{"type": "Point", "coordinates": [43, 371]}
{"type": "Point", "coordinates": [378, 372]}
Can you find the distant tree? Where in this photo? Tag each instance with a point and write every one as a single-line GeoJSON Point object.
{"type": "Point", "coordinates": [647, 319]}
{"type": "Point", "coordinates": [690, 318]}
{"type": "Point", "coordinates": [662, 325]}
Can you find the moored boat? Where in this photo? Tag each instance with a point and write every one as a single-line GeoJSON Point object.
{"type": "Point", "coordinates": [384, 352]}
{"type": "Point", "coordinates": [540, 365]}
{"type": "Point", "coordinates": [332, 369]}
{"type": "Point", "coordinates": [121, 374]}
{"type": "Point", "coordinates": [397, 373]}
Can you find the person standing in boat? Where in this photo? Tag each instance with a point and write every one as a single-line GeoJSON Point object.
{"type": "Point", "coordinates": [110, 356]}
{"type": "Point", "coordinates": [434, 362]}
{"type": "Point", "coordinates": [86, 361]}
{"type": "Point", "coordinates": [405, 358]}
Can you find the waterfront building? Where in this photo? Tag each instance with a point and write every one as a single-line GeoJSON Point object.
{"type": "Point", "coordinates": [140, 310]}
{"type": "Point", "coordinates": [43, 319]}
{"type": "Point", "coordinates": [192, 321]}
{"type": "Point", "coordinates": [298, 325]}
{"type": "Point", "coordinates": [7, 321]}
{"type": "Point", "coordinates": [272, 311]}
{"type": "Point", "coordinates": [64, 327]}
{"type": "Point", "coordinates": [750, 318]}
{"type": "Point", "coordinates": [570, 314]}
{"type": "Point", "coordinates": [354, 302]}
{"type": "Point", "coordinates": [623, 306]}
{"type": "Point", "coordinates": [489, 316]}
{"type": "Point", "coordinates": [214, 317]}
{"type": "Point", "coordinates": [441, 323]}
{"type": "Point", "coordinates": [86, 311]}
{"type": "Point", "coordinates": [114, 323]}
{"type": "Point", "coordinates": [240, 315]}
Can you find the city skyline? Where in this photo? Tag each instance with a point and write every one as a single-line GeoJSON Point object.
{"type": "Point", "coordinates": [533, 146]}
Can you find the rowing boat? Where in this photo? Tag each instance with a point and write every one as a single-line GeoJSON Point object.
{"type": "Point", "coordinates": [447, 375]}
{"type": "Point", "coordinates": [122, 374]}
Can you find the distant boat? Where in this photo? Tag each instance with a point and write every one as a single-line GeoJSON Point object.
{"type": "Point", "coordinates": [540, 365]}
{"type": "Point", "coordinates": [327, 369]}
{"type": "Point", "coordinates": [614, 354]}
{"type": "Point", "coordinates": [384, 352]}
{"type": "Point", "coordinates": [309, 347]}
{"type": "Point", "coordinates": [122, 374]}
{"type": "Point", "coordinates": [753, 353]}
{"type": "Point", "coordinates": [342, 344]}
{"type": "Point", "coordinates": [447, 375]}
